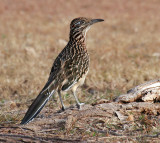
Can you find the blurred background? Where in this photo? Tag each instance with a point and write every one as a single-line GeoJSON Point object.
{"type": "Point", "coordinates": [124, 49]}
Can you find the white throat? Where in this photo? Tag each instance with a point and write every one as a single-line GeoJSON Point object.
{"type": "Point", "coordinates": [84, 33]}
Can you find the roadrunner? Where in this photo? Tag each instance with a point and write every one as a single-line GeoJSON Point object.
{"type": "Point", "coordinates": [69, 69]}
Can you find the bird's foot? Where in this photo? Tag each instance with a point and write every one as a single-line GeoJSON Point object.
{"type": "Point", "coordinates": [63, 108]}
{"type": "Point", "coordinates": [80, 105]}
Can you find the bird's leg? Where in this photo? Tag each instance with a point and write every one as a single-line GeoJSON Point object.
{"type": "Point", "coordinates": [59, 94]}
{"type": "Point", "coordinates": [78, 103]}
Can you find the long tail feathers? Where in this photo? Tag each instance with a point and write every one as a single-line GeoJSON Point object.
{"type": "Point", "coordinates": [36, 106]}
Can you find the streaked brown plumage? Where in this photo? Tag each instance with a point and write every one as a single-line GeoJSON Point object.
{"type": "Point", "coordinates": [69, 68]}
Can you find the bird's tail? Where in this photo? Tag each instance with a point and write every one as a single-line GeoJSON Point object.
{"type": "Point", "coordinates": [37, 106]}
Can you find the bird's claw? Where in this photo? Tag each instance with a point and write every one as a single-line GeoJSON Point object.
{"type": "Point", "coordinates": [80, 105]}
{"type": "Point", "coordinates": [63, 108]}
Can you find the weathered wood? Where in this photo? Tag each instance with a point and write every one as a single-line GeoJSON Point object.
{"type": "Point", "coordinates": [149, 91]}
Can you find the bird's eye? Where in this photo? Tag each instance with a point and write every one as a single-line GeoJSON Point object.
{"type": "Point", "coordinates": [78, 23]}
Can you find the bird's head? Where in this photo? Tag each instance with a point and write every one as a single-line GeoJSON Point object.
{"type": "Point", "coordinates": [81, 25]}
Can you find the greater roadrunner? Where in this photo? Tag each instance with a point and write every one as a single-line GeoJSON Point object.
{"type": "Point", "coordinates": [69, 69]}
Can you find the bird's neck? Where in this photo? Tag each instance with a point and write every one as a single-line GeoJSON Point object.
{"type": "Point", "coordinates": [77, 37]}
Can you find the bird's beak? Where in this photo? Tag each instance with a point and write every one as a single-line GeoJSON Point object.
{"type": "Point", "coordinates": [95, 21]}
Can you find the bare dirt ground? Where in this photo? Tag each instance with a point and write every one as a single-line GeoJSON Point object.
{"type": "Point", "coordinates": [124, 52]}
